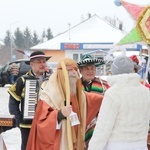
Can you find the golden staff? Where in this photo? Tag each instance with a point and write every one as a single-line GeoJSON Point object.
{"type": "Point", "coordinates": [69, 133]}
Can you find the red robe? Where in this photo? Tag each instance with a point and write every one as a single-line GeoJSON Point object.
{"type": "Point", "coordinates": [43, 133]}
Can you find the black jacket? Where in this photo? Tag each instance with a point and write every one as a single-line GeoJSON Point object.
{"type": "Point", "coordinates": [17, 97]}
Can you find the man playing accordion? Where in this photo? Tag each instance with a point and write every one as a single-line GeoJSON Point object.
{"type": "Point", "coordinates": [19, 95]}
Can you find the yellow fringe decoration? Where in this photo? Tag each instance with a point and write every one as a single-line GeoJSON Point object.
{"type": "Point", "coordinates": [141, 25]}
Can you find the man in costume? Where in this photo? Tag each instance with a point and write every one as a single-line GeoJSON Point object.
{"type": "Point", "coordinates": [91, 83]}
{"type": "Point", "coordinates": [63, 111]}
{"type": "Point", "coordinates": [17, 92]}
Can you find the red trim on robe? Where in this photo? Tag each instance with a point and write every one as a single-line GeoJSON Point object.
{"type": "Point", "coordinates": [43, 134]}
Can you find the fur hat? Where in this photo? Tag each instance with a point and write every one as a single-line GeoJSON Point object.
{"type": "Point", "coordinates": [37, 54]}
{"type": "Point", "coordinates": [121, 65]}
{"type": "Point", "coordinates": [88, 60]}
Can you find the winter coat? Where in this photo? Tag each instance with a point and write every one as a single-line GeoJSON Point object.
{"type": "Point", "coordinates": [123, 119]}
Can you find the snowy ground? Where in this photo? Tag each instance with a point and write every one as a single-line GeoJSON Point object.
{"type": "Point", "coordinates": [11, 137]}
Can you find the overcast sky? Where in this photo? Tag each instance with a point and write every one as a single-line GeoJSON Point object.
{"type": "Point", "coordinates": [38, 15]}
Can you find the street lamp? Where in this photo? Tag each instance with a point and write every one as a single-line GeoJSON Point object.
{"type": "Point", "coordinates": [69, 30]}
{"type": "Point", "coordinates": [11, 52]}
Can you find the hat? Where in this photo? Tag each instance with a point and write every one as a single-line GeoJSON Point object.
{"type": "Point", "coordinates": [121, 65]}
{"type": "Point", "coordinates": [88, 60]}
{"type": "Point", "coordinates": [70, 63]}
{"type": "Point", "coordinates": [37, 54]}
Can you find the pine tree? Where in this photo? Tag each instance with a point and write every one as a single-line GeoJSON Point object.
{"type": "Point", "coordinates": [7, 38]}
{"type": "Point", "coordinates": [49, 34]}
{"type": "Point", "coordinates": [35, 39]}
{"type": "Point", "coordinates": [27, 38]}
{"type": "Point", "coordinates": [19, 39]}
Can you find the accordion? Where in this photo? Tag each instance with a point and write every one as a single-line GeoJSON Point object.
{"type": "Point", "coordinates": [30, 100]}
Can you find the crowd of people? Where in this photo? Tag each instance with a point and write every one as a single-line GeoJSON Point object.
{"type": "Point", "coordinates": [75, 110]}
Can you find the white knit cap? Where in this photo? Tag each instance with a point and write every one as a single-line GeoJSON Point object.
{"type": "Point", "coordinates": [121, 65]}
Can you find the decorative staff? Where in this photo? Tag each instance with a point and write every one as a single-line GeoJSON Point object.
{"type": "Point", "coordinates": [141, 14]}
{"type": "Point", "coordinates": [69, 133]}
{"type": "Point", "coordinates": [141, 32]}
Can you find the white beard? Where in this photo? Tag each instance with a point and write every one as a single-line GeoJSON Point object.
{"type": "Point", "coordinates": [72, 81]}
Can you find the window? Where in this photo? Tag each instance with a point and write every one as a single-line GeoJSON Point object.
{"type": "Point", "coordinates": [75, 57]}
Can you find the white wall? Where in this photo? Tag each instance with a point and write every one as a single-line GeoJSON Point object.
{"type": "Point", "coordinates": [69, 53]}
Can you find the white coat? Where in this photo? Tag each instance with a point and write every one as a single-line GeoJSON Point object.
{"type": "Point", "coordinates": [123, 119]}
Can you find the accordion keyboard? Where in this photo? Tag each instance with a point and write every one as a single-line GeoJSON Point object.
{"type": "Point", "coordinates": [30, 99]}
